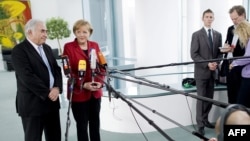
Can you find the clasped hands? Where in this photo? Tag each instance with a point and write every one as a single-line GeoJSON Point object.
{"type": "Point", "coordinates": [212, 66]}
{"type": "Point", "coordinates": [92, 86]}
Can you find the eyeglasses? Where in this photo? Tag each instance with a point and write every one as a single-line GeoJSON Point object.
{"type": "Point", "coordinates": [235, 19]}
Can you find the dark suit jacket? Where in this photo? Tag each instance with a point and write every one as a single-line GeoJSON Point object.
{"type": "Point", "coordinates": [32, 78]}
{"type": "Point", "coordinates": [200, 51]}
{"type": "Point", "coordinates": [238, 50]}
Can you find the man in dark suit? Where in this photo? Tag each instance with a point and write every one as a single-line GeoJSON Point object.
{"type": "Point", "coordinates": [205, 47]}
{"type": "Point", "coordinates": [237, 15]}
{"type": "Point", "coordinates": [39, 83]}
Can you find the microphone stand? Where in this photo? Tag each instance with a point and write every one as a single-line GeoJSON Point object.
{"type": "Point", "coordinates": [186, 63]}
{"type": "Point", "coordinates": [168, 119]}
{"type": "Point", "coordinates": [123, 97]}
{"type": "Point", "coordinates": [167, 88]}
{"type": "Point", "coordinates": [155, 112]}
{"type": "Point", "coordinates": [164, 87]}
{"type": "Point", "coordinates": [72, 82]}
{"type": "Point", "coordinates": [108, 82]}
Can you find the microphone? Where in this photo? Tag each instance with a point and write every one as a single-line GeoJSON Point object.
{"type": "Point", "coordinates": [93, 59]}
{"type": "Point", "coordinates": [93, 62]}
{"type": "Point", "coordinates": [102, 59]}
{"type": "Point", "coordinates": [66, 65]}
{"type": "Point", "coordinates": [103, 63]}
{"type": "Point", "coordinates": [81, 68]}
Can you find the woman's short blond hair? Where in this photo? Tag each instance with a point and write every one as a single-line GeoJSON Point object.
{"type": "Point", "coordinates": [81, 23]}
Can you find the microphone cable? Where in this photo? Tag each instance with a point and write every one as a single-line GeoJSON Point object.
{"type": "Point", "coordinates": [145, 137]}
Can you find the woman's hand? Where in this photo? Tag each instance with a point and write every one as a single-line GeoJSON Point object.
{"type": "Point", "coordinates": [226, 48]}
{"type": "Point", "coordinates": [230, 66]}
{"type": "Point", "coordinates": [92, 86]}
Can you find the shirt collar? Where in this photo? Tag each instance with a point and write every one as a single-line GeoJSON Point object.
{"type": "Point", "coordinates": [207, 29]}
{"type": "Point", "coordinates": [34, 45]}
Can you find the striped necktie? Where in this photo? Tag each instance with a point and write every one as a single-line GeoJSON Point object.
{"type": "Point", "coordinates": [45, 60]}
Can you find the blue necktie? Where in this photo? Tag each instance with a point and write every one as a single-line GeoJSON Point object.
{"type": "Point", "coordinates": [45, 60]}
{"type": "Point", "coordinates": [210, 40]}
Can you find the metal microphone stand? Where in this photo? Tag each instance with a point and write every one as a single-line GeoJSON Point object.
{"type": "Point", "coordinates": [71, 81]}
{"type": "Point", "coordinates": [108, 82]}
{"type": "Point", "coordinates": [167, 88]}
{"type": "Point", "coordinates": [168, 119]}
{"type": "Point", "coordinates": [164, 87]}
{"type": "Point", "coordinates": [123, 97]}
{"type": "Point", "coordinates": [186, 63]}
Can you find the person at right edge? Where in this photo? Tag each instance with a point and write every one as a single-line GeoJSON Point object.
{"type": "Point", "coordinates": [86, 98]}
{"type": "Point", "coordinates": [203, 48]}
{"type": "Point", "coordinates": [243, 31]}
{"type": "Point", "coordinates": [235, 49]}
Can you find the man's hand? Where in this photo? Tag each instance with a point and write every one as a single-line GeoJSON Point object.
{"type": "Point", "coordinates": [54, 94]}
{"type": "Point", "coordinates": [212, 66]}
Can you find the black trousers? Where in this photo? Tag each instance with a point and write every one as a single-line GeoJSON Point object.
{"type": "Point", "coordinates": [233, 84]}
{"type": "Point", "coordinates": [244, 93]}
{"type": "Point", "coordinates": [86, 115]}
{"type": "Point", "coordinates": [49, 123]}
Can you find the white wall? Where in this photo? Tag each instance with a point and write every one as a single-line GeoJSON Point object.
{"type": "Point", "coordinates": [70, 10]}
{"type": "Point", "coordinates": [157, 32]}
{"type": "Point", "coordinates": [158, 28]}
{"type": "Point", "coordinates": [157, 36]}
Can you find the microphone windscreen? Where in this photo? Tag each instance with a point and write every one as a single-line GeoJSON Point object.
{"type": "Point", "coordinates": [82, 65]}
{"type": "Point", "coordinates": [93, 59]}
{"type": "Point", "coordinates": [66, 66]}
{"type": "Point", "coordinates": [101, 59]}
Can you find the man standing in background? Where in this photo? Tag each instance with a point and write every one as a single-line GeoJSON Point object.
{"type": "Point", "coordinates": [205, 45]}
{"type": "Point", "coordinates": [237, 15]}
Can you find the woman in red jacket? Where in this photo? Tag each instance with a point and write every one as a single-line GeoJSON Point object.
{"type": "Point", "coordinates": [87, 90]}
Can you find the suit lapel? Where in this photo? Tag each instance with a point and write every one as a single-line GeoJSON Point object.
{"type": "Point", "coordinates": [46, 51]}
{"type": "Point", "coordinates": [78, 50]}
{"type": "Point", "coordinates": [214, 39]}
{"type": "Point", "coordinates": [32, 51]}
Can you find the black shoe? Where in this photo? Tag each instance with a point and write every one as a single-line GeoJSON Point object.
{"type": "Point", "coordinates": [201, 130]}
{"type": "Point", "coordinates": [208, 125]}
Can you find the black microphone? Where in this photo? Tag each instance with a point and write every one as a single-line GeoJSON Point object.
{"type": "Point", "coordinates": [66, 66]}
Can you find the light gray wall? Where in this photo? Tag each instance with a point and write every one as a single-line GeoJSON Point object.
{"type": "Point", "coordinates": [70, 10]}
{"type": "Point", "coordinates": [158, 25]}
{"type": "Point", "coordinates": [160, 34]}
